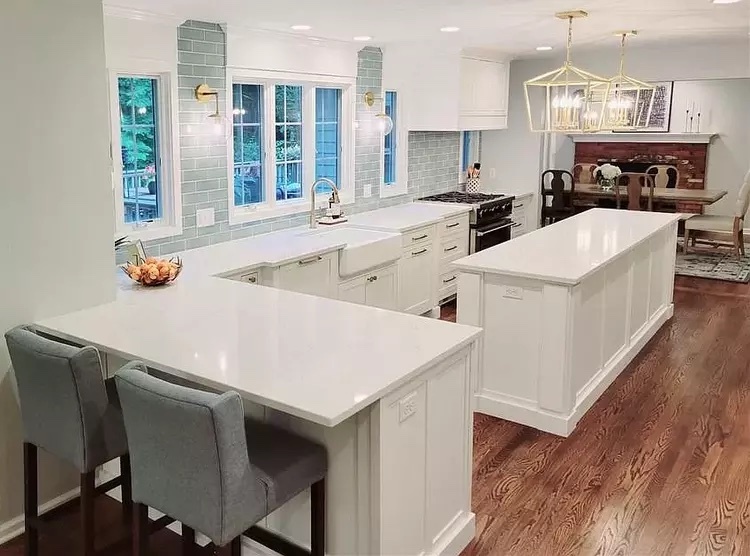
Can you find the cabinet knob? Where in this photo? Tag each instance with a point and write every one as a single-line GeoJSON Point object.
{"type": "Point", "coordinates": [372, 278]}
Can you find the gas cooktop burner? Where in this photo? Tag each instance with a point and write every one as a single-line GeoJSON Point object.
{"type": "Point", "coordinates": [461, 197]}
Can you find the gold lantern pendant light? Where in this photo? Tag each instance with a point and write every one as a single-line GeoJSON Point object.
{"type": "Point", "coordinates": [629, 102]}
{"type": "Point", "coordinates": [568, 99]}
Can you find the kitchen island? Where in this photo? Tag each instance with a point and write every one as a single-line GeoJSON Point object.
{"type": "Point", "coordinates": [564, 310]}
{"type": "Point", "coordinates": [389, 395]}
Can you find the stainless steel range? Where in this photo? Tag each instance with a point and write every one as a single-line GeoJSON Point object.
{"type": "Point", "coordinates": [490, 218]}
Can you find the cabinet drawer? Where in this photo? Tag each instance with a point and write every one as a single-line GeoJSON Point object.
{"type": "Point", "coordinates": [519, 226]}
{"type": "Point", "coordinates": [311, 275]}
{"type": "Point", "coordinates": [453, 248]}
{"type": "Point", "coordinates": [420, 235]}
{"type": "Point", "coordinates": [455, 225]}
{"type": "Point", "coordinates": [447, 284]}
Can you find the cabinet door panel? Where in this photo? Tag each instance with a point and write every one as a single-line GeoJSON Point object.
{"type": "Point", "coordinates": [311, 276]}
{"type": "Point", "coordinates": [354, 291]}
{"type": "Point", "coordinates": [416, 276]}
{"type": "Point", "coordinates": [382, 289]}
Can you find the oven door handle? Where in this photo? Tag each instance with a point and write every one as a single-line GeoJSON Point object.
{"type": "Point", "coordinates": [485, 232]}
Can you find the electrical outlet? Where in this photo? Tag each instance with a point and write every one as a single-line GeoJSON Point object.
{"type": "Point", "coordinates": [407, 406]}
{"type": "Point", "coordinates": [204, 217]}
{"type": "Point", "coordinates": [513, 292]}
{"type": "Point", "coordinates": [493, 172]}
{"type": "Point", "coordinates": [368, 190]}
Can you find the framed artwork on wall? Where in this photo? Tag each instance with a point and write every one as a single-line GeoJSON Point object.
{"type": "Point", "coordinates": [661, 112]}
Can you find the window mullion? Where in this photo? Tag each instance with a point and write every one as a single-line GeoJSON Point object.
{"type": "Point", "coordinates": [308, 139]}
{"type": "Point", "coordinates": [269, 140]}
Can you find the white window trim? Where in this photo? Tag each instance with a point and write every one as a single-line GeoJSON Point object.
{"type": "Point", "coordinates": [474, 155]}
{"type": "Point", "coordinates": [270, 208]}
{"type": "Point", "coordinates": [169, 140]}
{"type": "Point", "coordinates": [401, 186]}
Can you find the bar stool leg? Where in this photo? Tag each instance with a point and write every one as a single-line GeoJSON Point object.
{"type": "Point", "coordinates": [318, 518]}
{"type": "Point", "coordinates": [126, 489]}
{"type": "Point", "coordinates": [140, 529]}
{"type": "Point", "coordinates": [235, 548]}
{"type": "Point", "coordinates": [88, 493]}
{"type": "Point", "coordinates": [188, 540]}
{"type": "Point", "coordinates": [31, 498]}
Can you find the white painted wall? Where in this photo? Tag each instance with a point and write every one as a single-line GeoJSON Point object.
{"type": "Point", "coordinates": [56, 217]}
{"type": "Point", "coordinates": [512, 158]}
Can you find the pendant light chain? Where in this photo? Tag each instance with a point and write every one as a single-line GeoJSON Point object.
{"type": "Point", "coordinates": [570, 40]}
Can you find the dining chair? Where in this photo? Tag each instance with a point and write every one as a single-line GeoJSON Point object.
{"type": "Point", "coordinates": [557, 192]}
{"type": "Point", "coordinates": [663, 174]}
{"type": "Point", "coordinates": [584, 173]}
{"type": "Point", "coordinates": [70, 411]}
{"type": "Point", "coordinates": [715, 223]}
{"type": "Point", "coordinates": [634, 182]}
{"type": "Point", "coordinates": [198, 459]}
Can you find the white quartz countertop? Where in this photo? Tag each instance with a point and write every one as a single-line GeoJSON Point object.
{"type": "Point", "coordinates": [570, 250]}
{"type": "Point", "coordinates": [402, 218]}
{"type": "Point", "coordinates": [318, 359]}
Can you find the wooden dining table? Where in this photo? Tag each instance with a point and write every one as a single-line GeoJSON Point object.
{"type": "Point", "coordinates": [661, 194]}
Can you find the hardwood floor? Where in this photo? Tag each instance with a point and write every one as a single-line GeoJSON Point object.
{"type": "Point", "coordinates": [659, 465]}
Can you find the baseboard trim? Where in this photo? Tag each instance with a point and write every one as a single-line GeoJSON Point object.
{"type": "Point", "coordinates": [457, 537]}
{"type": "Point", "coordinates": [528, 412]}
{"type": "Point", "coordinates": [15, 527]}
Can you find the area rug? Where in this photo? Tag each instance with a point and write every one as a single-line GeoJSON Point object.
{"type": "Point", "coordinates": [714, 266]}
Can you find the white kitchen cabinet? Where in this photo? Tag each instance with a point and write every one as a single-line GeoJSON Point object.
{"type": "Point", "coordinates": [523, 220]}
{"type": "Point", "coordinates": [445, 89]}
{"type": "Point", "coordinates": [314, 275]}
{"type": "Point", "coordinates": [378, 288]}
{"type": "Point", "coordinates": [417, 271]}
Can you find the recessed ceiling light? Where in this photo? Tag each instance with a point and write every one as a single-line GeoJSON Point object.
{"type": "Point", "coordinates": [725, 1]}
{"type": "Point", "coordinates": [450, 29]}
{"type": "Point", "coordinates": [301, 27]}
{"type": "Point", "coordinates": [543, 48]}
{"type": "Point", "coordinates": [363, 38]}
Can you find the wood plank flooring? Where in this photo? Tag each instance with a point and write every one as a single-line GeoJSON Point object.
{"type": "Point", "coordinates": [659, 465]}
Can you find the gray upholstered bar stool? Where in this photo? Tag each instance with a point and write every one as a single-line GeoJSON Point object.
{"type": "Point", "coordinates": [69, 410]}
{"type": "Point", "coordinates": [197, 459]}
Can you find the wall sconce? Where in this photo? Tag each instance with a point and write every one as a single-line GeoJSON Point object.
{"type": "Point", "coordinates": [383, 122]}
{"type": "Point", "coordinates": [219, 124]}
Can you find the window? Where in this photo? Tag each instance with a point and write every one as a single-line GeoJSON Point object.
{"type": "Point", "coordinates": [288, 131]}
{"type": "Point", "coordinates": [248, 144]}
{"type": "Point", "coordinates": [469, 152]}
{"type": "Point", "coordinates": [141, 142]}
{"type": "Point", "coordinates": [389, 149]}
{"type": "Point", "coordinates": [395, 155]}
{"type": "Point", "coordinates": [327, 135]}
{"type": "Point", "coordinates": [288, 142]}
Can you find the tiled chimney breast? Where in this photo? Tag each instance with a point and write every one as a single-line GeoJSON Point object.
{"type": "Point", "coordinates": [689, 159]}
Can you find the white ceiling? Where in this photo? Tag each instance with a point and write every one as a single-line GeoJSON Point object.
{"type": "Point", "coordinates": [515, 27]}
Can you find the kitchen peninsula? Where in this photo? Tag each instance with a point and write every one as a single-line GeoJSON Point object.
{"type": "Point", "coordinates": [388, 393]}
{"type": "Point", "coordinates": [564, 310]}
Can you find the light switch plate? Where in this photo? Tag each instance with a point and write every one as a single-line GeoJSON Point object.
{"type": "Point", "coordinates": [204, 217]}
{"type": "Point", "coordinates": [513, 292]}
{"type": "Point", "coordinates": [368, 190]}
{"type": "Point", "coordinates": [407, 406]}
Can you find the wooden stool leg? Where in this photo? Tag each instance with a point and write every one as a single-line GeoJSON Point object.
{"type": "Point", "coordinates": [188, 540]}
{"type": "Point", "coordinates": [88, 494]}
{"type": "Point", "coordinates": [31, 498]}
{"type": "Point", "coordinates": [318, 518]}
{"type": "Point", "coordinates": [140, 530]}
{"type": "Point", "coordinates": [126, 488]}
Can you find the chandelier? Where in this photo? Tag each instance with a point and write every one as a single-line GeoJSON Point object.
{"type": "Point", "coordinates": [567, 99]}
{"type": "Point", "coordinates": [629, 102]}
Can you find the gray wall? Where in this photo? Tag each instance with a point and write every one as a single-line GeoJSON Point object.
{"type": "Point", "coordinates": [433, 156]}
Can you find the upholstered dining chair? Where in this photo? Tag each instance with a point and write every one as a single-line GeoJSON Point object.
{"type": "Point", "coordinates": [196, 458]}
{"type": "Point", "coordinates": [733, 225]}
{"type": "Point", "coordinates": [634, 182]}
{"type": "Point", "coordinates": [584, 173]}
{"type": "Point", "coordinates": [557, 192]}
{"type": "Point", "coordinates": [70, 411]}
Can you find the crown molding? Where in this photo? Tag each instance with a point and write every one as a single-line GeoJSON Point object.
{"type": "Point", "coordinates": [247, 31]}
{"type": "Point", "coordinates": [124, 12]}
{"type": "Point", "coordinates": [686, 138]}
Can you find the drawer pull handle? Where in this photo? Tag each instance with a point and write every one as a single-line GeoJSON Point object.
{"type": "Point", "coordinates": [251, 279]}
{"type": "Point", "coordinates": [422, 252]}
{"type": "Point", "coordinates": [451, 248]}
{"type": "Point", "coordinates": [453, 225]}
{"type": "Point", "coordinates": [449, 280]}
{"type": "Point", "coordinates": [420, 238]}
{"type": "Point", "coordinates": [311, 260]}
{"type": "Point", "coordinates": [372, 278]}
{"type": "Point", "coordinates": [517, 224]}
